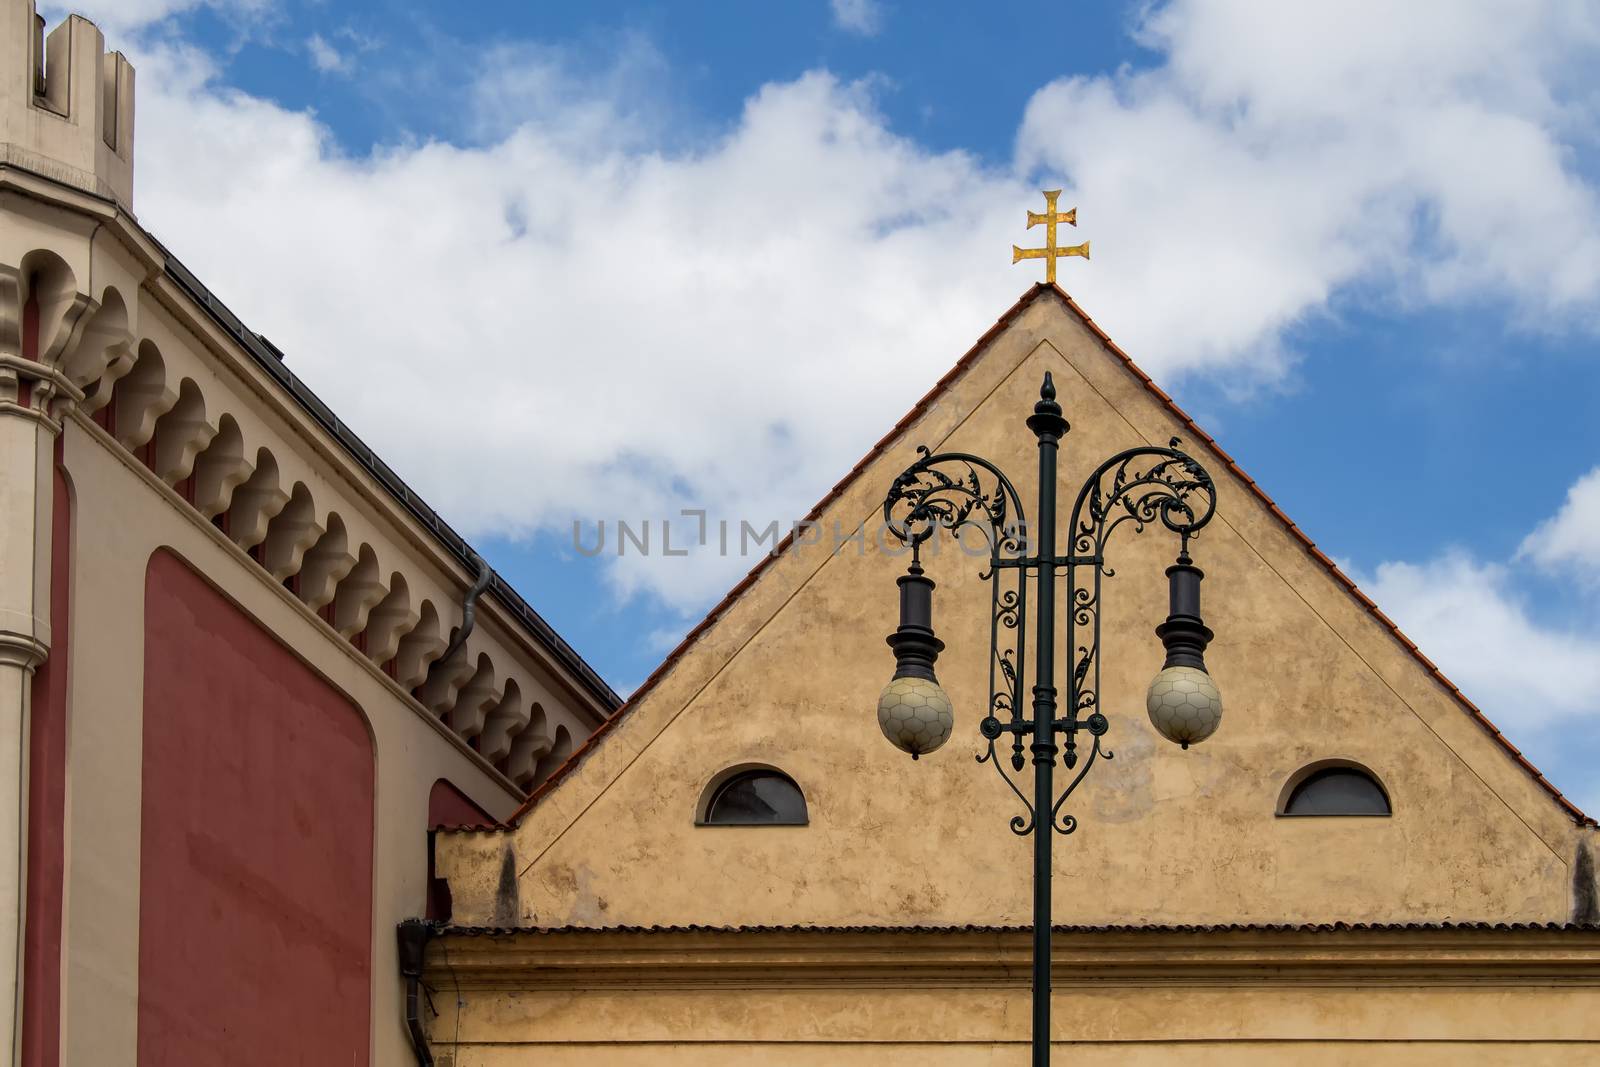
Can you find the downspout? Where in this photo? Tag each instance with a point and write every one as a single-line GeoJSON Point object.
{"type": "Point", "coordinates": [469, 607]}
{"type": "Point", "coordinates": [413, 936]}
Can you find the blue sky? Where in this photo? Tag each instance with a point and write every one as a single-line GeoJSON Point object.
{"type": "Point", "coordinates": [1361, 246]}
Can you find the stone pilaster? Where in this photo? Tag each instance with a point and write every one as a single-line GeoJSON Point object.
{"type": "Point", "coordinates": [27, 448]}
{"type": "Point", "coordinates": [35, 333]}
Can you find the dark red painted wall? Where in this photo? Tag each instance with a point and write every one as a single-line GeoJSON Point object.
{"type": "Point", "coordinates": [255, 916]}
{"type": "Point", "coordinates": [47, 778]}
{"type": "Point", "coordinates": [449, 807]}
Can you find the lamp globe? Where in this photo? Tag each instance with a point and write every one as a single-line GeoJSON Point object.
{"type": "Point", "coordinates": [1184, 705]}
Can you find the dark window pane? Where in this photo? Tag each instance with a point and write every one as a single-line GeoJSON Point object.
{"type": "Point", "coordinates": [1337, 791]}
{"type": "Point", "coordinates": [758, 797]}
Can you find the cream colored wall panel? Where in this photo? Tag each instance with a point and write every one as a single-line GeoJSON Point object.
{"type": "Point", "coordinates": [122, 516]}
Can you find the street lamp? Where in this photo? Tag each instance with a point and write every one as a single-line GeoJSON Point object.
{"type": "Point", "coordinates": [961, 492]}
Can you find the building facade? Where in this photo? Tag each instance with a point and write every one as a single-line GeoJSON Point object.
{"type": "Point", "coordinates": [266, 709]}
{"type": "Point", "coordinates": [1356, 868]}
{"type": "Point", "coordinates": [245, 668]}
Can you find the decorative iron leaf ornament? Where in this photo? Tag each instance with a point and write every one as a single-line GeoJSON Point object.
{"type": "Point", "coordinates": [960, 492]}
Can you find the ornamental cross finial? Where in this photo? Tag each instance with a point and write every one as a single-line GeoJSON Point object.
{"type": "Point", "coordinates": [1051, 251]}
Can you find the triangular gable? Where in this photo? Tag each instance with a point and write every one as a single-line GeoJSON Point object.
{"type": "Point", "coordinates": [784, 671]}
{"type": "Point", "coordinates": [910, 419]}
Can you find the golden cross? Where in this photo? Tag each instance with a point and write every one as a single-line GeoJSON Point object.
{"type": "Point", "coordinates": [1050, 252]}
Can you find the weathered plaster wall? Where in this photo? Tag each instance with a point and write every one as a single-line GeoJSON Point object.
{"type": "Point", "coordinates": [989, 1054]}
{"type": "Point", "coordinates": [1136, 996]}
{"type": "Point", "coordinates": [790, 674]}
{"type": "Point", "coordinates": [956, 1025]}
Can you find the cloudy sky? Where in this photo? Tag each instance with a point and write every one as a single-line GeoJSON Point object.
{"type": "Point", "coordinates": [613, 260]}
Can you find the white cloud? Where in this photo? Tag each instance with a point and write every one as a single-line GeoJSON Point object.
{"type": "Point", "coordinates": [616, 106]}
{"type": "Point", "coordinates": [1468, 617]}
{"type": "Point", "coordinates": [858, 16]}
{"type": "Point", "coordinates": [507, 324]}
{"type": "Point", "coordinates": [1284, 153]}
{"type": "Point", "coordinates": [325, 57]}
{"type": "Point", "coordinates": [577, 312]}
{"type": "Point", "coordinates": [122, 16]}
{"type": "Point", "coordinates": [1537, 680]}
{"type": "Point", "coordinates": [1570, 539]}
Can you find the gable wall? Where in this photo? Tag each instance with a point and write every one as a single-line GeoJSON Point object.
{"type": "Point", "coordinates": [789, 676]}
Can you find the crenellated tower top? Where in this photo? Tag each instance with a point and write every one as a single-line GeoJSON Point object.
{"type": "Point", "coordinates": [66, 104]}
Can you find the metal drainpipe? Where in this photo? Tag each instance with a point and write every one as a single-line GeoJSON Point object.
{"type": "Point", "coordinates": [413, 936]}
{"type": "Point", "coordinates": [469, 607]}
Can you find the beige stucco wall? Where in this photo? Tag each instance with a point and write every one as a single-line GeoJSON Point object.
{"type": "Point", "coordinates": [799, 998]}
{"type": "Point", "coordinates": [122, 515]}
{"type": "Point", "coordinates": [1147, 1027]}
{"type": "Point", "coordinates": [911, 1028]}
{"type": "Point", "coordinates": [1014, 1054]}
{"type": "Point", "coordinates": [790, 674]}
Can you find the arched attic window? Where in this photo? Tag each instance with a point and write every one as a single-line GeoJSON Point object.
{"type": "Point", "coordinates": [1334, 787]}
{"type": "Point", "coordinates": [752, 796]}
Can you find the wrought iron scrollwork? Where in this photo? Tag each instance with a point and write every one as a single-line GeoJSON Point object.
{"type": "Point", "coordinates": [945, 490]}
{"type": "Point", "coordinates": [1065, 824]}
{"type": "Point", "coordinates": [1141, 486]}
{"type": "Point", "coordinates": [1021, 825]}
{"type": "Point", "coordinates": [957, 492]}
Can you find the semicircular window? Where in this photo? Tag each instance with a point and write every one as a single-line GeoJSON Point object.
{"type": "Point", "coordinates": [757, 798]}
{"type": "Point", "coordinates": [1338, 791]}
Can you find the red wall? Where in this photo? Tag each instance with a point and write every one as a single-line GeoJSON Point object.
{"type": "Point", "coordinates": [47, 777]}
{"type": "Point", "coordinates": [255, 924]}
{"type": "Point", "coordinates": [449, 807]}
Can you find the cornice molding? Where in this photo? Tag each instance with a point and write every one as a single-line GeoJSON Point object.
{"type": "Point", "coordinates": [124, 313]}
{"type": "Point", "coordinates": [50, 393]}
{"type": "Point", "coordinates": [978, 957]}
{"type": "Point", "coordinates": [164, 280]}
{"type": "Point", "coordinates": [13, 155]}
{"type": "Point", "coordinates": [22, 650]}
{"type": "Point", "coordinates": [187, 514]}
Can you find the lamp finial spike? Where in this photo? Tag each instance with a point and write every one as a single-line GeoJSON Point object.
{"type": "Point", "coordinates": [1046, 419]}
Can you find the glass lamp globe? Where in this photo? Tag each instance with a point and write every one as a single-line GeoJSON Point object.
{"type": "Point", "coordinates": [1184, 705]}
{"type": "Point", "coordinates": [915, 715]}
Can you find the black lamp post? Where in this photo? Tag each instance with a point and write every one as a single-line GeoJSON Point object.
{"type": "Point", "coordinates": [958, 492]}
